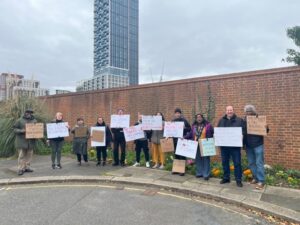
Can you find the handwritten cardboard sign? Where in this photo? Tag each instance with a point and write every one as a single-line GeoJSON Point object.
{"type": "Point", "coordinates": [98, 136]}
{"type": "Point", "coordinates": [119, 121]}
{"type": "Point", "coordinates": [152, 122]}
{"type": "Point", "coordinates": [173, 129]}
{"type": "Point", "coordinates": [257, 125]}
{"type": "Point", "coordinates": [228, 136]}
{"type": "Point", "coordinates": [34, 130]}
{"type": "Point", "coordinates": [81, 132]}
{"type": "Point", "coordinates": [187, 148]}
{"type": "Point", "coordinates": [167, 145]}
{"type": "Point", "coordinates": [207, 147]}
{"type": "Point", "coordinates": [178, 166]}
{"type": "Point", "coordinates": [55, 130]}
{"type": "Point", "coordinates": [133, 133]}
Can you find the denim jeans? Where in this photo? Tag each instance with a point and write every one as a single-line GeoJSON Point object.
{"type": "Point", "coordinates": [235, 154]}
{"type": "Point", "coordinates": [255, 158]}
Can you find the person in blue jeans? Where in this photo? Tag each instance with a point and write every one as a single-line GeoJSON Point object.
{"type": "Point", "coordinates": [255, 151]}
{"type": "Point", "coordinates": [231, 120]}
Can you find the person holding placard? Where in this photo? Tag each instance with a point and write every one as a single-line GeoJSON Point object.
{"type": "Point", "coordinates": [230, 119]}
{"type": "Point", "coordinates": [140, 144]}
{"type": "Point", "coordinates": [56, 144]}
{"type": "Point", "coordinates": [81, 134]}
{"type": "Point", "coordinates": [255, 151]}
{"type": "Point", "coordinates": [158, 156]}
{"type": "Point", "coordinates": [178, 117]}
{"type": "Point", "coordinates": [201, 129]}
{"type": "Point", "coordinates": [119, 140]}
{"type": "Point", "coordinates": [23, 145]}
{"type": "Point", "coordinates": [102, 150]}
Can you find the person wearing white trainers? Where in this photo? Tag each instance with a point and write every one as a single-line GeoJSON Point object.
{"type": "Point", "coordinates": [136, 164]}
{"type": "Point", "coordinates": [140, 144]}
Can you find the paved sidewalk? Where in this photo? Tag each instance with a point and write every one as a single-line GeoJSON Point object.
{"type": "Point", "coordinates": [283, 202]}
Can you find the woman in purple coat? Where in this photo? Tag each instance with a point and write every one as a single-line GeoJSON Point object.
{"type": "Point", "coordinates": [201, 129]}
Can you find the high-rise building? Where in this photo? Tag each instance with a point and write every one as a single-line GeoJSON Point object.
{"type": "Point", "coordinates": [115, 44]}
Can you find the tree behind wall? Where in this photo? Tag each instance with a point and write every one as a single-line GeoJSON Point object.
{"type": "Point", "coordinates": [293, 55]}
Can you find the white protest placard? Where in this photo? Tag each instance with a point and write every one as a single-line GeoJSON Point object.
{"type": "Point", "coordinates": [187, 148]}
{"type": "Point", "coordinates": [152, 122]}
{"type": "Point", "coordinates": [119, 121]}
{"type": "Point", "coordinates": [133, 133]}
{"type": "Point", "coordinates": [173, 129]}
{"type": "Point", "coordinates": [98, 136]}
{"type": "Point", "coordinates": [207, 147]}
{"type": "Point", "coordinates": [228, 136]}
{"type": "Point", "coordinates": [55, 130]}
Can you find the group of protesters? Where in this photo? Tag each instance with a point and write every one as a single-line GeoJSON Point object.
{"type": "Point", "coordinates": [200, 129]}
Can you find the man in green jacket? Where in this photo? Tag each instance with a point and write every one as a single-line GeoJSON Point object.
{"type": "Point", "coordinates": [23, 145]}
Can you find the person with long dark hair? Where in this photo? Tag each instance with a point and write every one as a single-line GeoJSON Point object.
{"type": "Point", "coordinates": [201, 129]}
{"type": "Point", "coordinates": [102, 150]}
{"type": "Point", "coordinates": [158, 156]}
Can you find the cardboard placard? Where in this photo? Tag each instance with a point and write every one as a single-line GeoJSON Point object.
{"type": "Point", "coordinates": [152, 122]}
{"type": "Point", "coordinates": [207, 147]}
{"type": "Point", "coordinates": [187, 148]}
{"type": "Point", "coordinates": [257, 125]}
{"type": "Point", "coordinates": [81, 132]}
{"type": "Point", "coordinates": [228, 136]}
{"type": "Point", "coordinates": [34, 130]}
{"type": "Point", "coordinates": [167, 145]}
{"type": "Point", "coordinates": [98, 136]}
{"type": "Point", "coordinates": [178, 166]}
{"type": "Point", "coordinates": [55, 130]}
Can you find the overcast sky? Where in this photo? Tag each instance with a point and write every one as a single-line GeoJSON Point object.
{"type": "Point", "coordinates": [52, 40]}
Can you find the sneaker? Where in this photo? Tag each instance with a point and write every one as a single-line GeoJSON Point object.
{"type": "Point", "coordinates": [59, 166]}
{"type": "Point", "coordinates": [253, 181]}
{"type": "Point", "coordinates": [20, 172]}
{"type": "Point", "coordinates": [224, 181]}
{"type": "Point", "coordinates": [136, 164]}
{"type": "Point", "coordinates": [98, 163]}
{"type": "Point", "coordinates": [147, 164]}
{"type": "Point", "coordinates": [53, 166]}
{"type": "Point", "coordinates": [28, 170]}
{"type": "Point", "coordinates": [239, 184]}
{"type": "Point", "coordinates": [103, 163]}
{"type": "Point", "coordinates": [122, 164]}
{"type": "Point", "coordinates": [260, 186]}
{"type": "Point", "coordinates": [161, 167]}
{"type": "Point", "coordinates": [155, 166]}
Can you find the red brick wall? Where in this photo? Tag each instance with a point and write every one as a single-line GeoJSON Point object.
{"type": "Point", "coordinates": [274, 92]}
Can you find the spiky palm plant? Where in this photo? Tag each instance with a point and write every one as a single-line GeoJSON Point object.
{"type": "Point", "coordinates": [10, 112]}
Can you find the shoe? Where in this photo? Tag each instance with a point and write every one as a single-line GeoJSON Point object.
{"type": "Point", "coordinates": [98, 163]}
{"type": "Point", "coordinates": [174, 173]}
{"type": "Point", "coordinates": [115, 164]}
{"type": "Point", "coordinates": [206, 178]}
{"type": "Point", "coordinates": [122, 164]}
{"type": "Point", "coordinates": [199, 176]}
{"type": "Point", "coordinates": [259, 186]}
{"type": "Point", "coordinates": [59, 166]}
{"type": "Point", "coordinates": [182, 174]}
{"type": "Point", "coordinates": [161, 167]}
{"type": "Point", "coordinates": [253, 181]}
{"type": "Point", "coordinates": [20, 172]}
{"type": "Point", "coordinates": [103, 163]}
{"type": "Point", "coordinates": [155, 166]}
{"type": "Point", "coordinates": [28, 170]}
{"type": "Point", "coordinates": [53, 166]}
{"type": "Point", "coordinates": [224, 181]}
{"type": "Point", "coordinates": [239, 184]}
{"type": "Point", "coordinates": [136, 164]}
{"type": "Point", "coordinates": [147, 164]}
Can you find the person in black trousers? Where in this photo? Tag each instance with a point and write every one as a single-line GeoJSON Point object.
{"type": "Point", "coordinates": [119, 140]}
{"type": "Point", "coordinates": [178, 117]}
{"type": "Point", "coordinates": [102, 150]}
